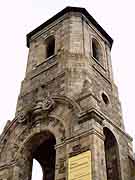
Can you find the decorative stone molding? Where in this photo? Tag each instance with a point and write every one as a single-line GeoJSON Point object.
{"type": "Point", "coordinates": [91, 114]}
{"type": "Point", "coordinates": [48, 103]}
{"type": "Point", "coordinates": [44, 104]}
{"type": "Point", "coordinates": [21, 116]}
{"type": "Point", "coordinates": [42, 108]}
{"type": "Point", "coordinates": [70, 102]}
{"type": "Point", "coordinates": [37, 112]}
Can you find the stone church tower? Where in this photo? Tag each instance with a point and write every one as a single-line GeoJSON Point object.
{"type": "Point", "coordinates": [68, 116]}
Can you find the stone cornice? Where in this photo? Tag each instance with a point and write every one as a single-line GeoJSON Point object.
{"type": "Point", "coordinates": [66, 10]}
{"type": "Point", "coordinates": [100, 117]}
{"type": "Point", "coordinates": [82, 134]}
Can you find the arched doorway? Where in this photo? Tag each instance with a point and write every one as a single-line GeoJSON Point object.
{"type": "Point", "coordinates": [41, 147]}
{"type": "Point", "coordinates": [111, 155]}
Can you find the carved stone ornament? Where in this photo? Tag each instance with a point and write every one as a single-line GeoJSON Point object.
{"type": "Point", "coordinates": [21, 117]}
{"type": "Point", "coordinates": [42, 107]}
{"type": "Point", "coordinates": [48, 103]}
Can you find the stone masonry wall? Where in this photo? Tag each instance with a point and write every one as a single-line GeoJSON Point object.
{"type": "Point", "coordinates": [62, 96]}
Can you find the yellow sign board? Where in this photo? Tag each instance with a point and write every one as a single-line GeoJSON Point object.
{"type": "Point", "coordinates": [79, 167]}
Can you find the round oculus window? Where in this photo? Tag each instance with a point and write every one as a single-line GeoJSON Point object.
{"type": "Point", "coordinates": [105, 98]}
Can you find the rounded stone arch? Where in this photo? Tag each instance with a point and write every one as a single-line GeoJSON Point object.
{"type": "Point", "coordinates": [70, 113]}
{"type": "Point", "coordinates": [39, 143]}
{"type": "Point", "coordinates": [40, 146]}
{"type": "Point", "coordinates": [32, 138]}
{"type": "Point", "coordinates": [68, 101]}
{"type": "Point", "coordinates": [111, 155]}
{"type": "Point", "coordinates": [108, 126]}
{"type": "Point", "coordinates": [54, 123]}
{"type": "Point", "coordinates": [54, 126]}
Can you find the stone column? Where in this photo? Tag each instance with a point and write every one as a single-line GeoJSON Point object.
{"type": "Point", "coordinates": [60, 164]}
{"type": "Point", "coordinates": [23, 168]}
{"type": "Point", "coordinates": [93, 141]}
{"type": "Point", "coordinates": [98, 157]}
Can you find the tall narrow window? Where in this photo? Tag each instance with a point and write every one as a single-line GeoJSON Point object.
{"type": "Point", "coordinates": [96, 50]}
{"type": "Point", "coordinates": [50, 46]}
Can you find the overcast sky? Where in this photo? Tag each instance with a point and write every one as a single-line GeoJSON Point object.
{"type": "Point", "coordinates": [17, 18]}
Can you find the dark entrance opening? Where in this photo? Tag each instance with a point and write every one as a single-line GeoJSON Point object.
{"type": "Point", "coordinates": [112, 156]}
{"type": "Point", "coordinates": [41, 147]}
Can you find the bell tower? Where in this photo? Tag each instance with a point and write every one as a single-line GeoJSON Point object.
{"type": "Point", "coordinates": [68, 115]}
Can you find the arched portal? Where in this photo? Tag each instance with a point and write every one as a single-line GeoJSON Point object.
{"type": "Point", "coordinates": [42, 148]}
{"type": "Point", "coordinates": [111, 155]}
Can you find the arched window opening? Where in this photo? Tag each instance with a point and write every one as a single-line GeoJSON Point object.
{"type": "Point", "coordinates": [111, 156]}
{"type": "Point", "coordinates": [50, 46]}
{"type": "Point", "coordinates": [37, 172]}
{"type": "Point", "coordinates": [96, 50]}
